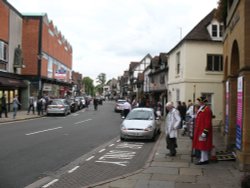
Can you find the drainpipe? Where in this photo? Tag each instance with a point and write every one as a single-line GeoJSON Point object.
{"type": "Point", "coordinates": [39, 55]}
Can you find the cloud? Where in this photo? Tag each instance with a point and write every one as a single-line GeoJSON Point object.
{"type": "Point", "coordinates": [106, 35]}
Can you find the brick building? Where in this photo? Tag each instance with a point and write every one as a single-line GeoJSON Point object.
{"type": "Point", "coordinates": [47, 56]}
{"type": "Point", "coordinates": [11, 83]}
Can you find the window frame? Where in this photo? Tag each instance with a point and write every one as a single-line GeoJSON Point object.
{"type": "Point", "coordinates": [178, 62]}
{"type": "Point", "coordinates": [214, 63]}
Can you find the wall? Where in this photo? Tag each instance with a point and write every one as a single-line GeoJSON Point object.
{"type": "Point", "coordinates": [15, 37]}
{"type": "Point", "coordinates": [4, 21]}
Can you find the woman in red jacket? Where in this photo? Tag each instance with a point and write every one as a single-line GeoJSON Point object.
{"type": "Point", "coordinates": [203, 132]}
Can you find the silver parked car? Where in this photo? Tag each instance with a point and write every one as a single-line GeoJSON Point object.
{"type": "Point", "coordinates": [141, 123]}
{"type": "Point", "coordinates": [59, 106]}
{"type": "Point", "coordinates": [119, 105]}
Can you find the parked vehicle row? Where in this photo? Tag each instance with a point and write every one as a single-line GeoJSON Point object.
{"type": "Point", "coordinates": [66, 106]}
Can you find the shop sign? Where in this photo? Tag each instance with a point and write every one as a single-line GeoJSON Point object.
{"type": "Point", "coordinates": [47, 87]}
{"type": "Point", "coordinates": [239, 117]}
{"type": "Point", "coordinates": [227, 108]}
{"type": "Point", "coordinates": [60, 74]}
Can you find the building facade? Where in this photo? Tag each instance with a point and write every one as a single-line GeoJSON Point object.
{"type": "Point", "coordinates": [47, 56]}
{"type": "Point", "coordinates": [237, 80]}
{"type": "Point", "coordinates": [11, 63]}
{"type": "Point", "coordinates": [196, 66]}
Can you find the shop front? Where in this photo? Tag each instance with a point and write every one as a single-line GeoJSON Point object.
{"type": "Point", "coordinates": [11, 86]}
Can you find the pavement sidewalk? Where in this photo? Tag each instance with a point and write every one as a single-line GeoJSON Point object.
{"type": "Point", "coordinates": [170, 172]}
{"type": "Point", "coordinates": [179, 171]}
{"type": "Point", "coordinates": [21, 115]}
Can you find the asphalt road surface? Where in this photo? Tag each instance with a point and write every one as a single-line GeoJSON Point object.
{"type": "Point", "coordinates": [83, 146]}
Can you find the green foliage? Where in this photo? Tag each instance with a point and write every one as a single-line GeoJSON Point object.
{"type": "Point", "coordinates": [101, 79]}
{"type": "Point", "coordinates": [88, 85]}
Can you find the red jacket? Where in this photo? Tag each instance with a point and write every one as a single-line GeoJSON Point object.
{"type": "Point", "coordinates": [203, 124]}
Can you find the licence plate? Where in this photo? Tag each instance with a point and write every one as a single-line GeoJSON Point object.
{"type": "Point", "coordinates": [134, 134]}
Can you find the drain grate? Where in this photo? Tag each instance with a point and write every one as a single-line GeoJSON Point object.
{"type": "Point", "coordinates": [225, 156]}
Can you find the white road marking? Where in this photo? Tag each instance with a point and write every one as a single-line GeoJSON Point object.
{"type": "Point", "coordinates": [88, 159]}
{"type": "Point", "coordinates": [43, 131]}
{"type": "Point", "coordinates": [102, 150]}
{"type": "Point", "coordinates": [117, 154]}
{"type": "Point", "coordinates": [73, 169]}
{"type": "Point", "coordinates": [75, 114]}
{"type": "Point", "coordinates": [50, 183]}
{"type": "Point", "coordinates": [121, 163]}
{"type": "Point", "coordinates": [130, 145]}
{"type": "Point", "coordinates": [111, 145]}
{"type": "Point", "coordinates": [82, 121]}
{"type": "Point", "coordinates": [118, 140]}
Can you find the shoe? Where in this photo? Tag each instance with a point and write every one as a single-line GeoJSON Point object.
{"type": "Point", "coordinates": [202, 163]}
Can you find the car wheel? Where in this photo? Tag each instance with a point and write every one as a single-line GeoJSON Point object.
{"type": "Point", "coordinates": [122, 139]}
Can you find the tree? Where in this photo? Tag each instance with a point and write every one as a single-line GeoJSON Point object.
{"type": "Point", "coordinates": [88, 85]}
{"type": "Point", "coordinates": [221, 12]}
{"type": "Point", "coordinates": [101, 79]}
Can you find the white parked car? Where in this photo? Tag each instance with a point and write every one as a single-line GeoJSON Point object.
{"type": "Point", "coordinates": [141, 123]}
{"type": "Point", "coordinates": [119, 105]}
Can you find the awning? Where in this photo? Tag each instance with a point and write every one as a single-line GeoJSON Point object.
{"type": "Point", "coordinates": [11, 82]}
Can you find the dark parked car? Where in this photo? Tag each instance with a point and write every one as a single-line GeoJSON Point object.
{"type": "Point", "coordinates": [73, 104]}
{"type": "Point", "coordinates": [81, 102]}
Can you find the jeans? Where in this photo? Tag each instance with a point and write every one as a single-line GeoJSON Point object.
{"type": "Point", "coordinates": [14, 112]}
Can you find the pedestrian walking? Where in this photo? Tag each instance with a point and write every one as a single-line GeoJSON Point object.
{"type": "Point", "coordinates": [182, 109]}
{"type": "Point", "coordinates": [95, 102]}
{"type": "Point", "coordinates": [126, 109]}
{"type": "Point", "coordinates": [31, 105]}
{"type": "Point", "coordinates": [4, 106]}
{"type": "Point", "coordinates": [16, 104]}
{"type": "Point", "coordinates": [40, 106]}
{"type": "Point", "coordinates": [203, 132]}
{"type": "Point", "coordinates": [172, 124]}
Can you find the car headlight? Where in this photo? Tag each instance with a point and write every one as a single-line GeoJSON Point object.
{"type": "Point", "coordinates": [149, 128]}
{"type": "Point", "coordinates": [123, 128]}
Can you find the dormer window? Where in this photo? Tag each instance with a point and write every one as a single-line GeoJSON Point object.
{"type": "Point", "coordinates": [214, 30]}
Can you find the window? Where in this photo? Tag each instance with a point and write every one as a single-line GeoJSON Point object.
{"type": "Point", "coordinates": [50, 67]}
{"type": "Point", "coordinates": [177, 95]}
{"type": "Point", "coordinates": [221, 31]}
{"type": "Point", "coordinates": [3, 55]}
{"type": "Point", "coordinates": [214, 30]}
{"type": "Point", "coordinates": [178, 63]}
{"type": "Point", "coordinates": [162, 79]}
{"type": "Point", "coordinates": [214, 62]}
{"type": "Point", "coordinates": [152, 79]}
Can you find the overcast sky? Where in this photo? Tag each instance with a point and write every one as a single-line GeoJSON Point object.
{"type": "Point", "coordinates": [106, 35]}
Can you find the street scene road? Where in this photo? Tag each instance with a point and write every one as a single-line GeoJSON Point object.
{"type": "Point", "coordinates": [46, 149]}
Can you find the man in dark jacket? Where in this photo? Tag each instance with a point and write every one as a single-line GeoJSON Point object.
{"type": "Point", "coordinates": [4, 106]}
